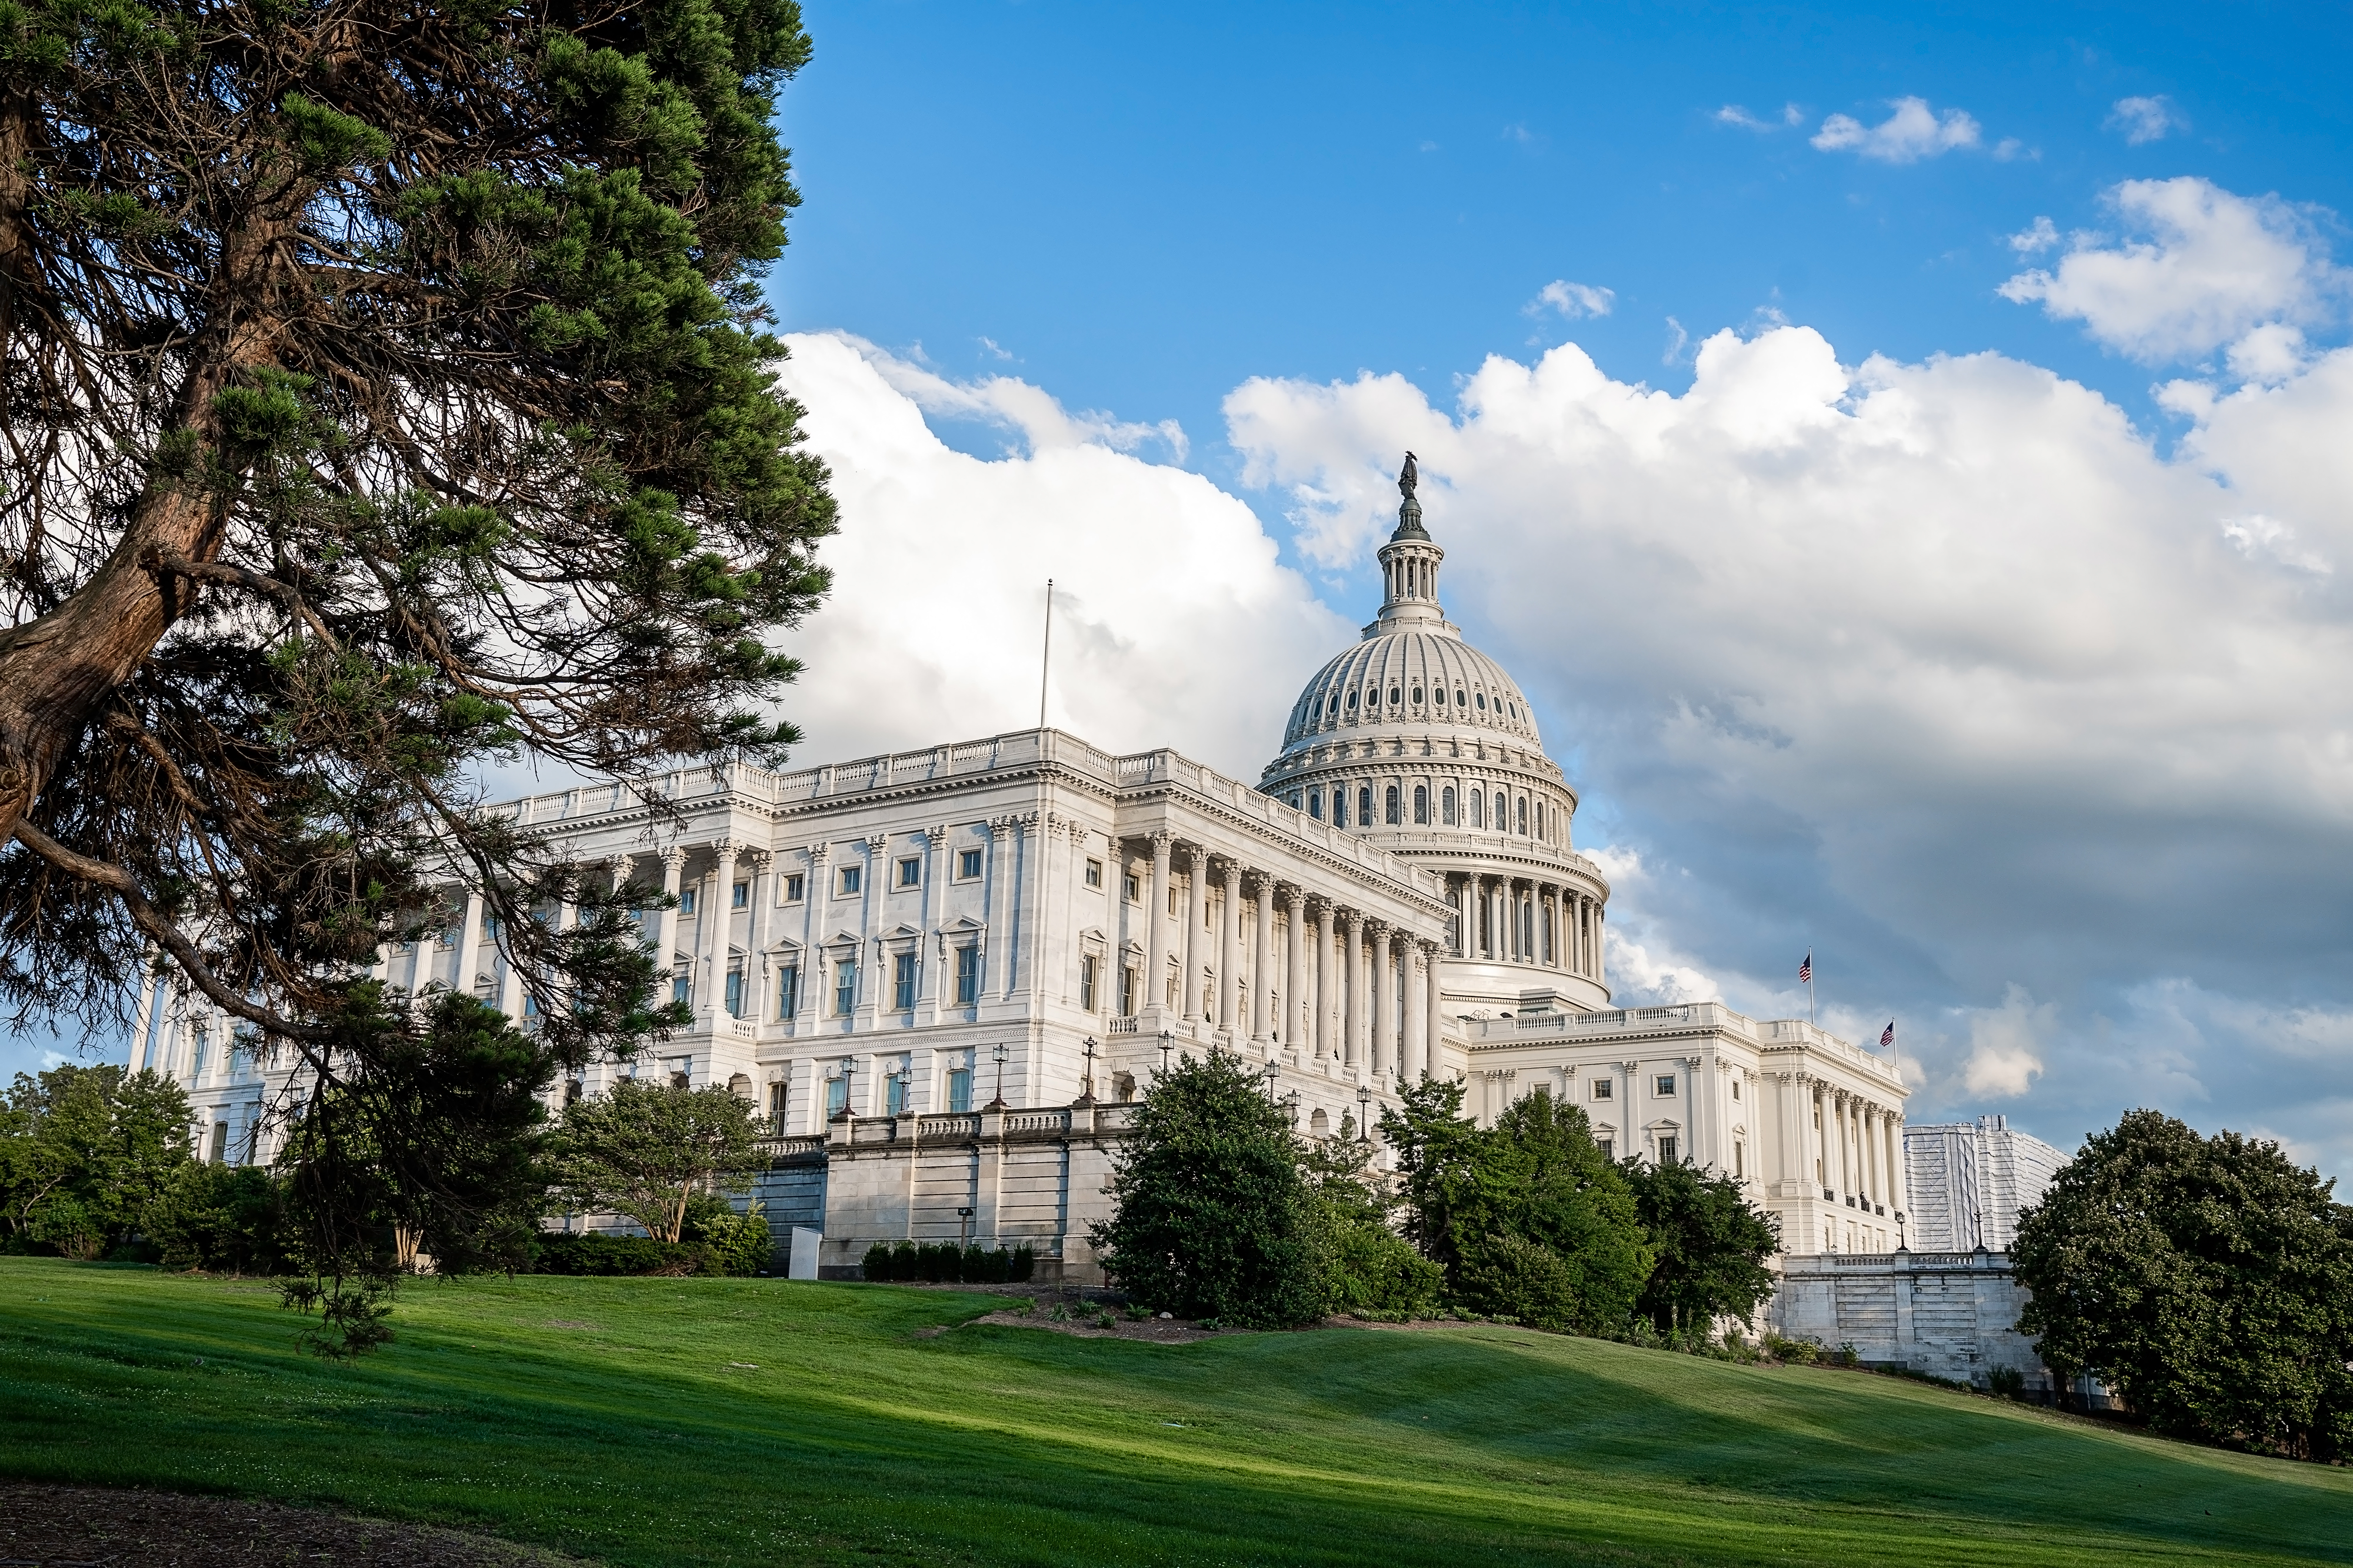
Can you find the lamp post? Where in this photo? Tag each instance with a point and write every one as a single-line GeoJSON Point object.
{"type": "Point", "coordinates": [848, 1067]}
{"type": "Point", "coordinates": [964, 1226]}
{"type": "Point", "coordinates": [1270, 1072]}
{"type": "Point", "coordinates": [1087, 1089]}
{"type": "Point", "coordinates": [1365, 1111]}
{"type": "Point", "coordinates": [1166, 1042]}
{"type": "Point", "coordinates": [997, 1055]}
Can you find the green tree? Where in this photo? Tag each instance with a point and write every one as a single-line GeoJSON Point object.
{"type": "Point", "coordinates": [1210, 1216]}
{"type": "Point", "coordinates": [1478, 1201]}
{"type": "Point", "coordinates": [2209, 1281]}
{"type": "Point", "coordinates": [229, 1219]}
{"type": "Point", "coordinates": [389, 394]}
{"type": "Point", "coordinates": [1711, 1246]}
{"type": "Point", "coordinates": [1368, 1270]}
{"type": "Point", "coordinates": [85, 1150]}
{"type": "Point", "coordinates": [646, 1150]}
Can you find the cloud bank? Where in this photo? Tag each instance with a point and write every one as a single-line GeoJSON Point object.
{"type": "Point", "coordinates": [1911, 131]}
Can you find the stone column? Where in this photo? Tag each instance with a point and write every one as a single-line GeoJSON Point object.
{"type": "Point", "coordinates": [1326, 993]}
{"type": "Point", "coordinates": [1433, 1038]}
{"type": "Point", "coordinates": [1229, 953]}
{"type": "Point", "coordinates": [1899, 1192]}
{"type": "Point", "coordinates": [1297, 1008]}
{"type": "Point", "coordinates": [755, 941]}
{"type": "Point", "coordinates": [1352, 1003]}
{"type": "Point", "coordinates": [1414, 1058]}
{"type": "Point", "coordinates": [666, 938]}
{"type": "Point", "coordinates": [716, 918]}
{"type": "Point", "coordinates": [1262, 971]}
{"type": "Point", "coordinates": [1382, 1056]}
{"type": "Point", "coordinates": [810, 1002]}
{"type": "Point", "coordinates": [1814, 1124]}
{"type": "Point", "coordinates": [1196, 921]}
{"type": "Point", "coordinates": [1598, 949]}
{"type": "Point", "coordinates": [1156, 926]}
{"type": "Point", "coordinates": [868, 1013]}
{"type": "Point", "coordinates": [470, 945]}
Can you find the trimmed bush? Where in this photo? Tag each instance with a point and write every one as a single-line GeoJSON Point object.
{"type": "Point", "coordinates": [621, 1255]}
{"type": "Point", "coordinates": [945, 1263]}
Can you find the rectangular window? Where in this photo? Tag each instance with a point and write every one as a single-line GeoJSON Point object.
{"type": "Point", "coordinates": [910, 871]}
{"type": "Point", "coordinates": [1131, 890]}
{"type": "Point", "coordinates": [1608, 1152]}
{"type": "Point", "coordinates": [837, 1096]}
{"type": "Point", "coordinates": [1667, 1154]}
{"type": "Point", "coordinates": [795, 887]}
{"type": "Point", "coordinates": [1171, 900]}
{"type": "Point", "coordinates": [903, 982]}
{"type": "Point", "coordinates": [779, 1093]}
{"type": "Point", "coordinates": [1602, 1088]}
{"type": "Point", "coordinates": [742, 897]}
{"type": "Point", "coordinates": [845, 988]}
{"type": "Point", "coordinates": [1664, 1084]}
{"type": "Point", "coordinates": [894, 1095]}
{"type": "Point", "coordinates": [852, 879]}
{"type": "Point", "coordinates": [681, 1070]}
{"type": "Point", "coordinates": [686, 900]}
{"type": "Point", "coordinates": [967, 976]}
{"type": "Point", "coordinates": [735, 993]}
{"type": "Point", "coordinates": [968, 865]}
{"type": "Point", "coordinates": [220, 1142]}
{"type": "Point", "coordinates": [788, 991]}
{"type": "Point", "coordinates": [1094, 873]}
{"type": "Point", "coordinates": [1735, 1089]}
{"type": "Point", "coordinates": [1128, 980]}
{"type": "Point", "coordinates": [959, 1089]}
{"type": "Point", "coordinates": [1739, 1160]}
{"type": "Point", "coordinates": [681, 988]}
{"type": "Point", "coordinates": [1087, 966]}
{"type": "Point", "coordinates": [1315, 804]}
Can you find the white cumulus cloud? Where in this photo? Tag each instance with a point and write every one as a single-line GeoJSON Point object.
{"type": "Point", "coordinates": [2144, 120]}
{"type": "Point", "coordinates": [2006, 1045]}
{"type": "Point", "coordinates": [1573, 299]}
{"type": "Point", "coordinates": [2197, 268]}
{"type": "Point", "coordinates": [1911, 131]}
{"type": "Point", "coordinates": [1174, 625]}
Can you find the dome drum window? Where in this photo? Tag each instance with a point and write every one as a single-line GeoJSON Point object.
{"type": "Point", "coordinates": [1394, 815]}
{"type": "Point", "coordinates": [1364, 806]}
{"type": "Point", "coordinates": [1421, 805]}
{"type": "Point", "coordinates": [1416, 696]}
{"type": "Point", "coordinates": [1483, 701]}
{"type": "Point", "coordinates": [1395, 697]}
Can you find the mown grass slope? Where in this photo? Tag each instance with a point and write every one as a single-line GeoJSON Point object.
{"type": "Point", "coordinates": [611, 1418]}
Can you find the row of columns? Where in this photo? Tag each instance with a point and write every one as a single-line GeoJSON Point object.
{"type": "Point", "coordinates": [1519, 919]}
{"type": "Point", "coordinates": [1859, 1152]}
{"type": "Point", "coordinates": [1357, 993]}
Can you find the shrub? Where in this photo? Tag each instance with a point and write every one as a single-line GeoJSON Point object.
{"type": "Point", "coordinates": [589, 1253]}
{"type": "Point", "coordinates": [1369, 1272]}
{"type": "Point", "coordinates": [66, 1224]}
{"type": "Point", "coordinates": [226, 1219]}
{"type": "Point", "coordinates": [737, 1243]}
{"type": "Point", "coordinates": [877, 1265]}
{"type": "Point", "coordinates": [1507, 1276]}
{"type": "Point", "coordinates": [2006, 1383]}
{"type": "Point", "coordinates": [1796, 1352]}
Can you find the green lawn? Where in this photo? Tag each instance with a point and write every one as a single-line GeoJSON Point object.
{"type": "Point", "coordinates": [603, 1418]}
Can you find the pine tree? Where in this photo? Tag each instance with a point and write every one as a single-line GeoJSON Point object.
{"type": "Point", "coordinates": [387, 396]}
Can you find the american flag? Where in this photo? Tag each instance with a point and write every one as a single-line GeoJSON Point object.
{"type": "Point", "coordinates": [1806, 970]}
{"type": "Point", "coordinates": [1887, 1034]}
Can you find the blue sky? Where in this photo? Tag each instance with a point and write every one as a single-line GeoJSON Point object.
{"type": "Point", "coordinates": [1145, 205]}
{"type": "Point", "coordinates": [1903, 454]}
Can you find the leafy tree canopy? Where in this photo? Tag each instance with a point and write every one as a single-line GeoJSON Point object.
{"type": "Point", "coordinates": [1712, 1247]}
{"type": "Point", "coordinates": [1210, 1216]}
{"type": "Point", "coordinates": [85, 1150]}
{"type": "Point", "coordinates": [386, 394]}
{"type": "Point", "coordinates": [647, 1149]}
{"type": "Point", "coordinates": [2207, 1280]}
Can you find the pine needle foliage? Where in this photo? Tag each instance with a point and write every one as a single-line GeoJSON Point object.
{"type": "Point", "coordinates": [387, 394]}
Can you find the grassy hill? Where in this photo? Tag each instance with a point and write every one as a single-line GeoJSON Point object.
{"type": "Point", "coordinates": [611, 1418]}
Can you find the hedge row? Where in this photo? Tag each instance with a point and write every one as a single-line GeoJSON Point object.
{"type": "Point", "coordinates": [944, 1262]}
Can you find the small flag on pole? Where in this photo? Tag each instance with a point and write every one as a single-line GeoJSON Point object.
{"type": "Point", "coordinates": [1806, 970]}
{"type": "Point", "coordinates": [1887, 1034]}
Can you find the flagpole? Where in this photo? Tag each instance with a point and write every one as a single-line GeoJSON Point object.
{"type": "Point", "coordinates": [1046, 654]}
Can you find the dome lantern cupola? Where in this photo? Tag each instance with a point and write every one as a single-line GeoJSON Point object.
{"type": "Point", "coordinates": [1410, 563]}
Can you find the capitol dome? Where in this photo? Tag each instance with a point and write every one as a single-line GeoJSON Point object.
{"type": "Point", "coordinates": [1427, 747]}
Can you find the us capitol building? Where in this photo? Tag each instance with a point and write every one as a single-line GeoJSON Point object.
{"type": "Point", "coordinates": [945, 975]}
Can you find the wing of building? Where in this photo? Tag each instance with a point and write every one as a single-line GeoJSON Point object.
{"type": "Point", "coordinates": [1970, 1180]}
{"type": "Point", "coordinates": [945, 975]}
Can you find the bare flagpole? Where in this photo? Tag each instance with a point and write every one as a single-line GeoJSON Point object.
{"type": "Point", "coordinates": [1046, 655]}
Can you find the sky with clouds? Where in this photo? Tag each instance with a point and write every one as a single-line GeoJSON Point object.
{"type": "Point", "coordinates": [1906, 457]}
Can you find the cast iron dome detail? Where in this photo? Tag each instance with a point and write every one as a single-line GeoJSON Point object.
{"type": "Point", "coordinates": [1427, 747]}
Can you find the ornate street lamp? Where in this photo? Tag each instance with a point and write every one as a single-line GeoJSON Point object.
{"type": "Point", "coordinates": [1365, 1111]}
{"type": "Point", "coordinates": [1270, 1072]}
{"type": "Point", "coordinates": [1166, 1042]}
{"type": "Point", "coordinates": [1087, 1089]}
{"type": "Point", "coordinates": [997, 1055]}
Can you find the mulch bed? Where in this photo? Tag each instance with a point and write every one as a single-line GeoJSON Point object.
{"type": "Point", "coordinates": [44, 1526]}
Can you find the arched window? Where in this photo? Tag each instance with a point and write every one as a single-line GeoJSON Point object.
{"type": "Point", "coordinates": [1364, 806]}
{"type": "Point", "coordinates": [1482, 701]}
{"type": "Point", "coordinates": [1315, 805]}
{"type": "Point", "coordinates": [1522, 828]}
{"type": "Point", "coordinates": [1339, 808]}
{"type": "Point", "coordinates": [1416, 696]}
{"type": "Point", "coordinates": [1332, 705]}
{"type": "Point", "coordinates": [1503, 813]}
{"type": "Point", "coordinates": [1395, 697]}
{"type": "Point", "coordinates": [1478, 808]}
{"type": "Point", "coordinates": [1421, 805]}
{"type": "Point", "coordinates": [1458, 697]}
{"type": "Point", "coordinates": [1446, 805]}
{"type": "Point", "coordinates": [1352, 703]}
{"type": "Point", "coordinates": [1393, 814]}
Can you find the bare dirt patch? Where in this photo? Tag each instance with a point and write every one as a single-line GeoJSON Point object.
{"type": "Point", "coordinates": [44, 1526]}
